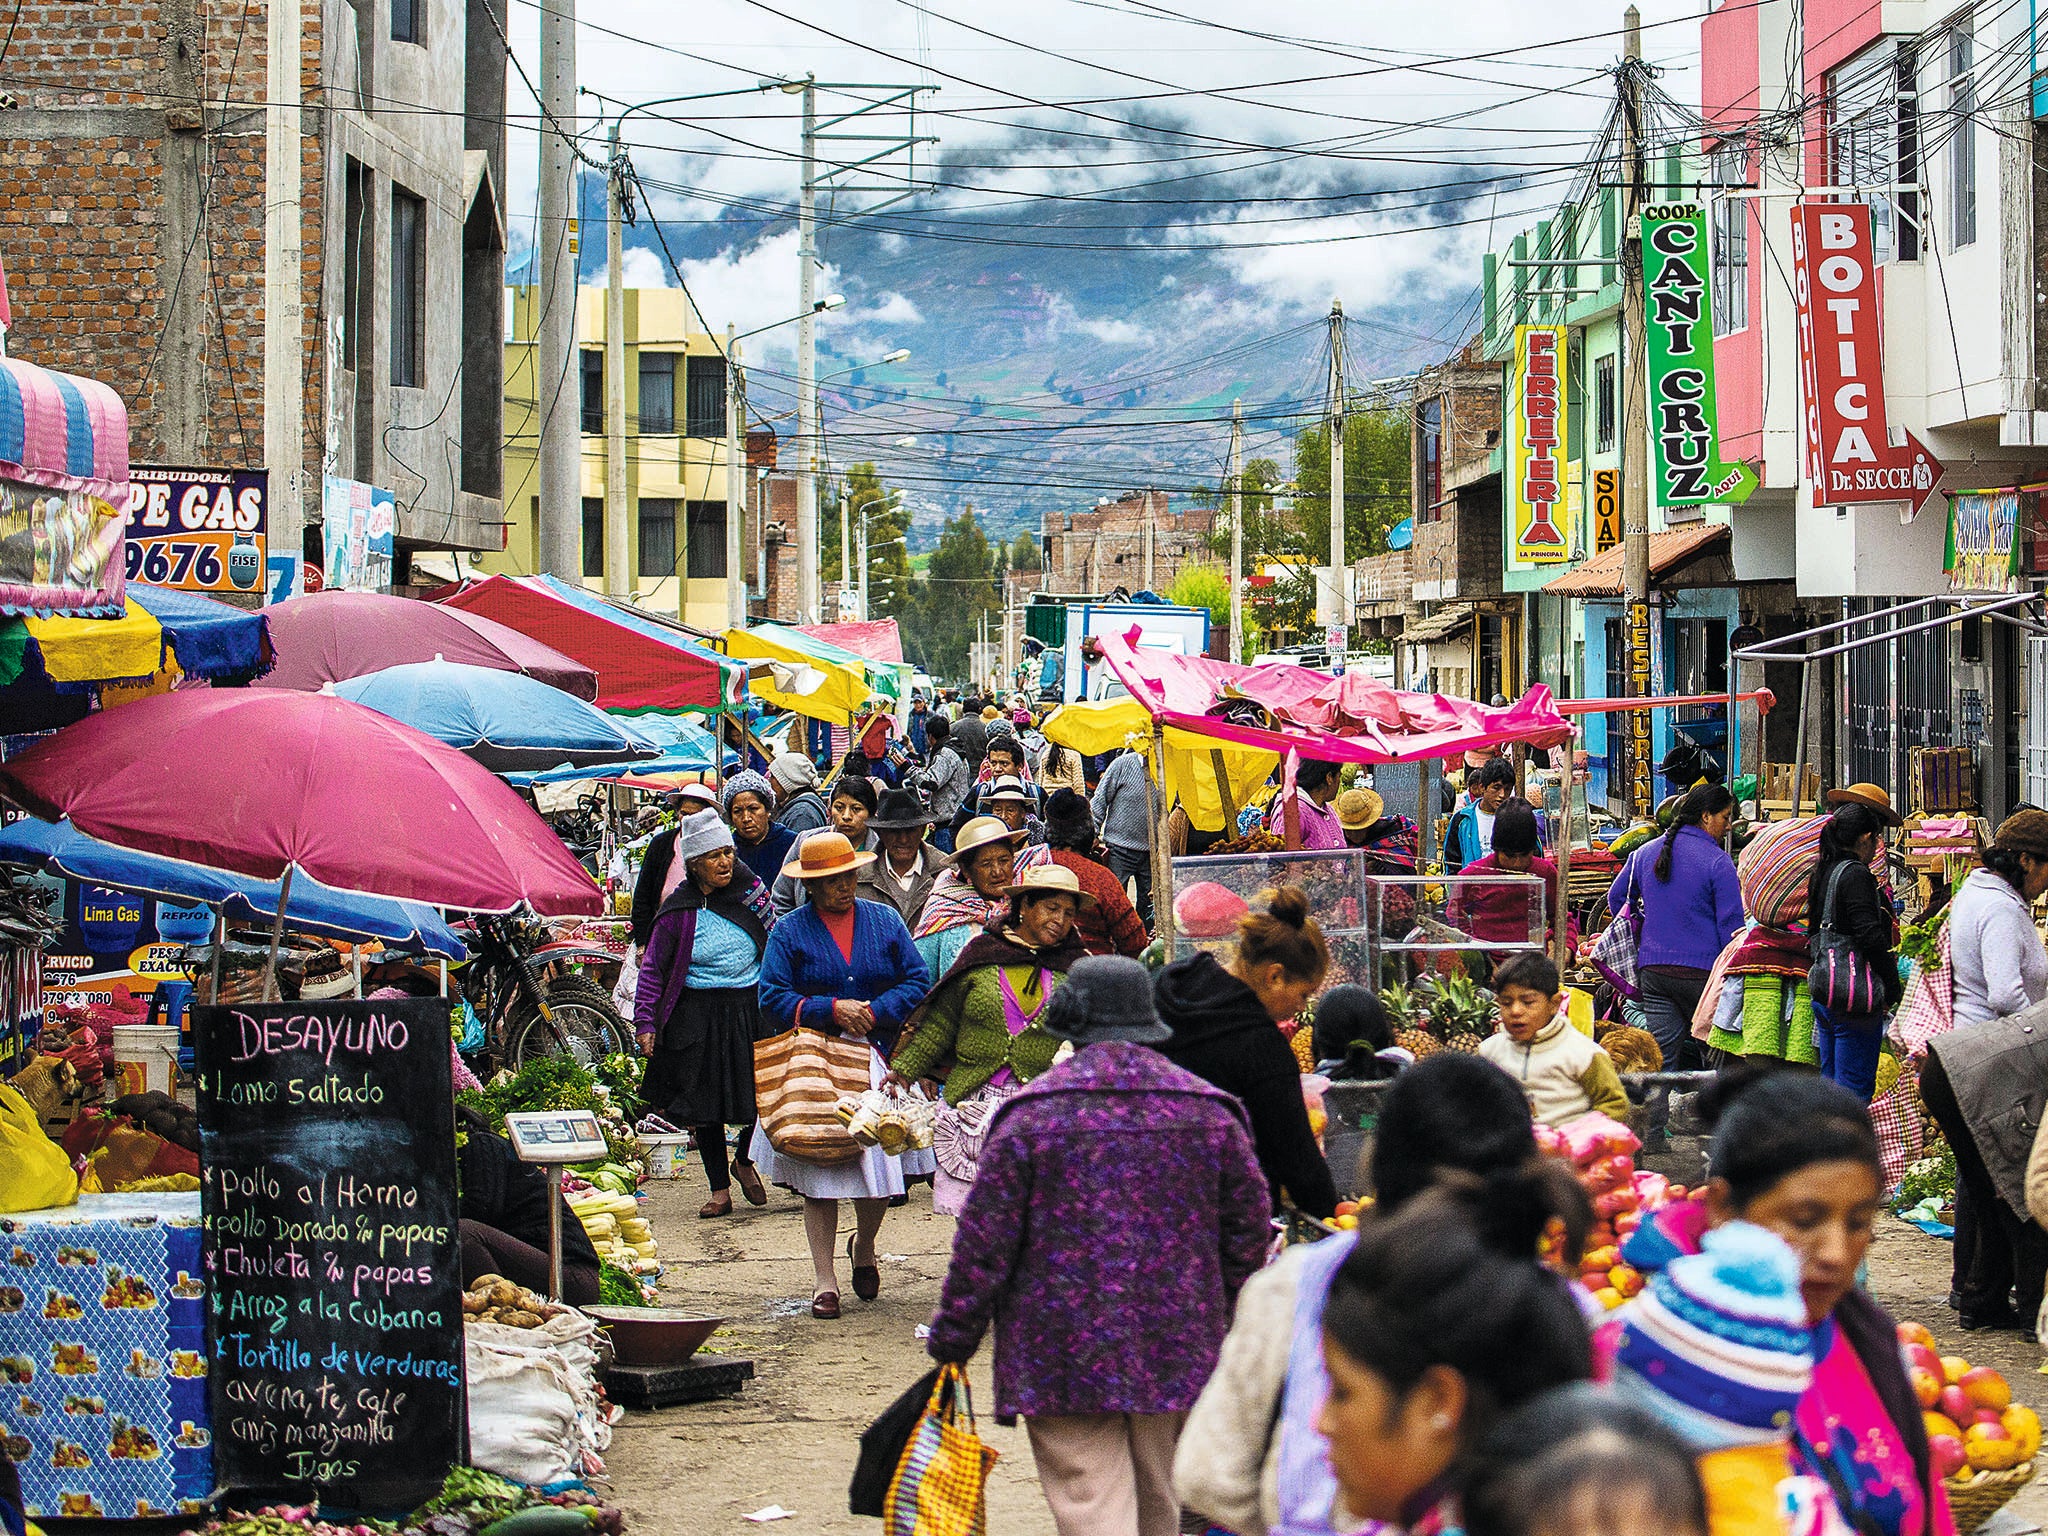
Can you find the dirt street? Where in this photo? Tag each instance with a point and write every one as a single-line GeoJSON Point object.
{"type": "Point", "coordinates": [790, 1437]}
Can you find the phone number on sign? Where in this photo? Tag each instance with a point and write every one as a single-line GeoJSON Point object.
{"type": "Point", "coordinates": [174, 562]}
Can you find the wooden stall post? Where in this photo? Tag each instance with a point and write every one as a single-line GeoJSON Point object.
{"type": "Point", "coordinates": [1223, 792]}
{"type": "Point", "coordinates": [1162, 846]}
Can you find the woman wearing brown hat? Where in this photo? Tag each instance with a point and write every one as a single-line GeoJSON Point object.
{"type": "Point", "coordinates": [1986, 1080]}
{"type": "Point", "coordinates": [980, 1024]}
{"type": "Point", "coordinates": [840, 966]}
{"type": "Point", "coordinates": [1843, 893]}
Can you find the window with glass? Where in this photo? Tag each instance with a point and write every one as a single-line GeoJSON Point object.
{"type": "Point", "coordinates": [657, 536]}
{"type": "Point", "coordinates": [408, 288]}
{"type": "Point", "coordinates": [408, 21]}
{"type": "Point", "coordinates": [706, 526]}
{"type": "Point", "coordinates": [593, 534]}
{"type": "Point", "coordinates": [1603, 403]}
{"type": "Point", "coordinates": [1430, 416]}
{"type": "Point", "coordinates": [1873, 138]}
{"type": "Point", "coordinates": [593, 392]}
{"type": "Point", "coordinates": [1728, 239]}
{"type": "Point", "coordinates": [705, 405]}
{"type": "Point", "coordinates": [657, 393]}
{"type": "Point", "coordinates": [1962, 130]}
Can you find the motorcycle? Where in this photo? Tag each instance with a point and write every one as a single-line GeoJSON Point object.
{"type": "Point", "coordinates": [534, 1002]}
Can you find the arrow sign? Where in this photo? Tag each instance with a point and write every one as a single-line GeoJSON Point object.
{"type": "Point", "coordinates": [1850, 456]}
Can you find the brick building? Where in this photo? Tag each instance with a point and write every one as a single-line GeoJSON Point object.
{"type": "Point", "coordinates": [132, 226]}
{"type": "Point", "coordinates": [1464, 638]}
{"type": "Point", "coordinates": [1137, 542]}
{"type": "Point", "coordinates": [772, 593]}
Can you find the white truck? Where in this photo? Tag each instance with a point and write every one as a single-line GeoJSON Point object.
{"type": "Point", "coordinates": [1161, 627]}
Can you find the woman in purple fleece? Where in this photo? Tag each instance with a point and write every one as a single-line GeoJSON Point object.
{"type": "Point", "coordinates": [1109, 1309]}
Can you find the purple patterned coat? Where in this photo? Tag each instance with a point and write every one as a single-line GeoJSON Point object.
{"type": "Point", "coordinates": [1118, 1208]}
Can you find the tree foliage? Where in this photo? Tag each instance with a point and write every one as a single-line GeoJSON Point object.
{"type": "Point", "coordinates": [1203, 586]}
{"type": "Point", "coordinates": [863, 495]}
{"type": "Point", "coordinates": [959, 587]}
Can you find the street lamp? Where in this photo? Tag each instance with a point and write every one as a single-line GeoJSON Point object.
{"type": "Point", "coordinates": [866, 552]}
{"type": "Point", "coordinates": [901, 353]}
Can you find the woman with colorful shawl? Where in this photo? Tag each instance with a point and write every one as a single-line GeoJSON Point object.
{"type": "Point", "coordinates": [987, 859]}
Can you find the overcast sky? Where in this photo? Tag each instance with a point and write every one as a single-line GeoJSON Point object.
{"type": "Point", "coordinates": [1138, 207]}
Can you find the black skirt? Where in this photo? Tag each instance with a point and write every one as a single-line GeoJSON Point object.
{"type": "Point", "coordinates": [702, 1070]}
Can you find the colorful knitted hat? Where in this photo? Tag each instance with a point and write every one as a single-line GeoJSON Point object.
{"type": "Point", "coordinates": [1718, 1345]}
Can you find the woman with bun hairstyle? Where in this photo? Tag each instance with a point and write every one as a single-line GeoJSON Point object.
{"type": "Point", "coordinates": [1225, 1031]}
{"type": "Point", "coordinates": [1251, 1458]}
{"type": "Point", "coordinates": [1795, 1154]}
{"type": "Point", "coordinates": [1861, 912]}
{"type": "Point", "coordinates": [1439, 1321]}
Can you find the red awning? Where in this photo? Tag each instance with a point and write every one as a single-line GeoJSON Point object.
{"type": "Point", "coordinates": [875, 639]}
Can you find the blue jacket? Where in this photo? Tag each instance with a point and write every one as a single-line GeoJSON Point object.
{"type": "Point", "coordinates": [1689, 919]}
{"type": "Point", "coordinates": [1461, 838]}
{"type": "Point", "coordinates": [802, 972]}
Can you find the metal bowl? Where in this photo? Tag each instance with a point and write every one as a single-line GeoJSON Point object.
{"type": "Point", "coordinates": [653, 1335]}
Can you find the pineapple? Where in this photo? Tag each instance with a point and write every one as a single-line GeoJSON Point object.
{"type": "Point", "coordinates": [1461, 1011]}
{"type": "Point", "coordinates": [1409, 1014]}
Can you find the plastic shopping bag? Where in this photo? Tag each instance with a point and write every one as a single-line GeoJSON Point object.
{"type": "Point", "coordinates": [941, 1485]}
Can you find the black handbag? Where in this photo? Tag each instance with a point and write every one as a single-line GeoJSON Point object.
{"type": "Point", "coordinates": [1841, 978]}
{"type": "Point", "coordinates": [882, 1444]}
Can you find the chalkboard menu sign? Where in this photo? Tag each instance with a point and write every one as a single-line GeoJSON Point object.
{"type": "Point", "coordinates": [333, 1268]}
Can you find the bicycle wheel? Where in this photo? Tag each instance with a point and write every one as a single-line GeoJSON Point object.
{"type": "Point", "coordinates": [586, 1028]}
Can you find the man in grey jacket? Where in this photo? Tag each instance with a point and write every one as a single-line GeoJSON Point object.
{"type": "Point", "coordinates": [1126, 809]}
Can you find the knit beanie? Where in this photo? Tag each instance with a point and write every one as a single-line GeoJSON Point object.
{"type": "Point", "coordinates": [792, 770]}
{"type": "Point", "coordinates": [746, 783]}
{"type": "Point", "coordinates": [702, 832]}
{"type": "Point", "coordinates": [1718, 1345]}
{"type": "Point", "coordinates": [1068, 819]}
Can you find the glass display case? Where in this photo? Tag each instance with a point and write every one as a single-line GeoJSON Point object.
{"type": "Point", "coordinates": [1419, 920]}
{"type": "Point", "coordinates": [1211, 893]}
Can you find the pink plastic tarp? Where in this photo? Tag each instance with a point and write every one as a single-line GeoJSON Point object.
{"type": "Point", "coordinates": [876, 639]}
{"type": "Point", "coordinates": [1351, 719]}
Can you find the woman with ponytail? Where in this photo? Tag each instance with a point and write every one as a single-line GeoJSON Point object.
{"type": "Point", "coordinates": [1692, 906]}
{"type": "Point", "coordinates": [1225, 1031]}
{"type": "Point", "coordinates": [1251, 1458]}
{"type": "Point", "coordinates": [1844, 892]}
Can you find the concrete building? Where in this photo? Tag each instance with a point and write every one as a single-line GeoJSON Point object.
{"type": "Point", "coordinates": [675, 490]}
{"type": "Point", "coordinates": [1137, 542]}
{"type": "Point", "coordinates": [132, 208]}
{"type": "Point", "coordinates": [1455, 640]}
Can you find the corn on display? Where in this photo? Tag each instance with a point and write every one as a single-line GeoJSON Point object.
{"type": "Point", "coordinates": [617, 1230]}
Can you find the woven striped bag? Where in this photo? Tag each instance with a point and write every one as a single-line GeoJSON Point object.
{"type": "Point", "coordinates": [799, 1078]}
{"type": "Point", "coordinates": [1775, 867]}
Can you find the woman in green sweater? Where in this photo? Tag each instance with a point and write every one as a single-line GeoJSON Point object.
{"type": "Point", "coordinates": [979, 1027]}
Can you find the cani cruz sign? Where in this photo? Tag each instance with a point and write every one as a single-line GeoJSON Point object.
{"type": "Point", "coordinates": [1684, 423]}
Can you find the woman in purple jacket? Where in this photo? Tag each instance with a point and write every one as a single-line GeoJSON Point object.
{"type": "Point", "coordinates": [1691, 903]}
{"type": "Point", "coordinates": [1109, 1310]}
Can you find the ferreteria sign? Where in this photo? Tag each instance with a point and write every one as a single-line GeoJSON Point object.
{"type": "Point", "coordinates": [1684, 429]}
{"type": "Point", "coordinates": [1849, 452]}
{"type": "Point", "coordinates": [1539, 446]}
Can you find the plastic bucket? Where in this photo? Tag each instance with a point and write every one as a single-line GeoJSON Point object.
{"type": "Point", "coordinates": [145, 1058]}
{"type": "Point", "coordinates": [661, 1154]}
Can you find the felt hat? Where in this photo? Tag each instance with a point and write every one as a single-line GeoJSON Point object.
{"type": "Point", "coordinates": [979, 833]}
{"type": "Point", "coordinates": [1718, 1346]}
{"type": "Point", "coordinates": [1872, 795]}
{"type": "Point", "coordinates": [899, 811]}
{"type": "Point", "coordinates": [2023, 832]}
{"type": "Point", "coordinates": [825, 854]}
{"type": "Point", "coordinates": [1008, 787]}
{"type": "Point", "coordinates": [1104, 997]}
{"type": "Point", "coordinates": [1358, 809]}
{"type": "Point", "coordinates": [701, 832]}
{"type": "Point", "coordinates": [1050, 880]}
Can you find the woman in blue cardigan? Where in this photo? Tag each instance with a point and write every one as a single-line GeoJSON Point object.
{"type": "Point", "coordinates": [840, 966]}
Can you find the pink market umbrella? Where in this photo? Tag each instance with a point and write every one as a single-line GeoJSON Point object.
{"type": "Point", "coordinates": [264, 782]}
{"type": "Point", "coordinates": [329, 637]}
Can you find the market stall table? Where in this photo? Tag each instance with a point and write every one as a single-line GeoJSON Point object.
{"type": "Point", "coordinates": [104, 1357]}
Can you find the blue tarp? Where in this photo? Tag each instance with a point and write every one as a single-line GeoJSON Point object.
{"type": "Point", "coordinates": [61, 849]}
{"type": "Point", "coordinates": [210, 639]}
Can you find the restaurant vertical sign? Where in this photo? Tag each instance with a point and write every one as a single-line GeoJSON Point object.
{"type": "Point", "coordinates": [1685, 433]}
{"type": "Point", "coordinates": [331, 1246]}
{"type": "Point", "coordinates": [1539, 446]}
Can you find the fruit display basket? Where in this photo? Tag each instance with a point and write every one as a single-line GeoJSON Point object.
{"type": "Point", "coordinates": [1975, 1497]}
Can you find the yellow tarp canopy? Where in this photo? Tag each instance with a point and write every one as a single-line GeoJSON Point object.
{"type": "Point", "coordinates": [91, 650]}
{"type": "Point", "coordinates": [1107, 724]}
{"type": "Point", "coordinates": [840, 689]}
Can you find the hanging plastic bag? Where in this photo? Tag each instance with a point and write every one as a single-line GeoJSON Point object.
{"type": "Point", "coordinates": [34, 1173]}
{"type": "Point", "coordinates": [941, 1484]}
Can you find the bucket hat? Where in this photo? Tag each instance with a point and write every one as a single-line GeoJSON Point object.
{"type": "Point", "coordinates": [1105, 997]}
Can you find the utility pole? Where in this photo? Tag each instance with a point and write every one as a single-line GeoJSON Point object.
{"type": "Point", "coordinates": [1237, 530]}
{"type": "Point", "coordinates": [284, 370]}
{"type": "Point", "coordinates": [1337, 634]}
{"type": "Point", "coordinates": [558, 375]}
{"type": "Point", "coordinates": [618, 527]}
{"type": "Point", "coordinates": [808, 587]}
{"type": "Point", "coordinates": [735, 494]}
{"type": "Point", "coordinates": [1635, 470]}
{"type": "Point", "coordinates": [846, 553]}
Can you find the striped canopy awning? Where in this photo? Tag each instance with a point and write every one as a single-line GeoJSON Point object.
{"type": "Point", "coordinates": [63, 493]}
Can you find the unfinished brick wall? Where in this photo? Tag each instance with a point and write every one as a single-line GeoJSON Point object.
{"type": "Point", "coordinates": [1104, 547]}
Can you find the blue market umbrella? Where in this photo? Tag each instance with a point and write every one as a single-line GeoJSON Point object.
{"type": "Point", "coordinates": [506, 721]}
{"type": "Point", "coordinates": [694, 750]}
{"type": "Point", "coordinates": [61, 849]}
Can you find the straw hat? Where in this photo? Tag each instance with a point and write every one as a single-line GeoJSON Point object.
{"type": "Point", "coordinates": [979, 833]}
{"type": "Point", "coordinates": [1358, 809]}
{"type": "Point", "coordinates": [1008, 787]}
{"type": "Point", "coordinates": [1050, 880]}
{"type": "Point", "coordinates": [1871, 795]}
{"type": "Point", "coordinates": [825, 854]}
{"type": "Point", "coordinates": [701, 794]}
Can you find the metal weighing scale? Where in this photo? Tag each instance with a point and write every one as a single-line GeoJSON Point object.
{"type": "Point", "coordinates": [551, 1138]}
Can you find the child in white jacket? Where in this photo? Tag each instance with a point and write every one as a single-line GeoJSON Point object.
{"type": "Point", "coordinates": [1564, 1073]}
